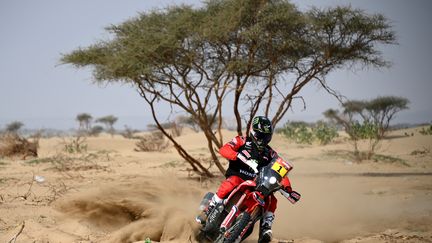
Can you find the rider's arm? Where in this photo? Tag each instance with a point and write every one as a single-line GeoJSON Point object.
{"type": "Point", "coordinates": [229, 150]}
{"type": "Point", "coordinates": [288, 192]}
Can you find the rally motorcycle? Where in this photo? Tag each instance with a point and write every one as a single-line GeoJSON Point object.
{"type": "Point", "coordinates": [234, 218]}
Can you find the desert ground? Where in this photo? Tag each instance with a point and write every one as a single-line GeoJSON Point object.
{"type": "Point", "coordinates": [111, 193]}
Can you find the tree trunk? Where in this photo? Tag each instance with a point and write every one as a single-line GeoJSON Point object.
{"type": "Point", "coordinates": [195, 164]}
{"type": "Point", "coordinates": [236, 103]}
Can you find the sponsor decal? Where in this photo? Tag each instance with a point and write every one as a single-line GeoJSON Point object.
{"type": "Point", "coordinates": [247, 173]}
{"type": "Point", "coordinates": [242, 158]}
{"type": "Point", "coordinates": [255, 120]}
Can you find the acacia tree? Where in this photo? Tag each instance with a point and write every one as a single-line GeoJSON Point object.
{"type": "Point", "coordinates": [108, 121]}
{"type": "Point", "coordinates": [260, 54]}
{"type": "Point", "coordinates": [14, 127]}
{"type": "Point", "coordinates": [383, 109]}
{"type": "Point", "coordinates": [367, 120]}
{"type": "Point", "coordinates": [84, 120]}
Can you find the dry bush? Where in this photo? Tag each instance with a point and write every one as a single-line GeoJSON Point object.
{"type": "Point", "coordinates": [173, 128]}
{"type": "Point", "coordinates": [64, 162]}
{"type": "Point", "coordinates": [12, 145]}
{"type": "Point", "coordinates": [75, 145]}
{"type": "Point", "coordinates": [421, 152]}
{"type": "Point", "coordinates": [25, 191]}
{"type": "Point", "coordinates": [129, 133]}
{"type": "Point", "coordinates": [152, 142]}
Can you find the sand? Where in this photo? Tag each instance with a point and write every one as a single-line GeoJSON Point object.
{"type": "Point", "coordinates": [112, 193]}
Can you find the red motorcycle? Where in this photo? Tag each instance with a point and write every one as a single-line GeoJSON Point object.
{"type": "Point", "coordinates": [234, 218]}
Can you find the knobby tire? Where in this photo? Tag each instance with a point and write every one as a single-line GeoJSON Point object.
{"type": "Point", "coordinates": [235, 230]}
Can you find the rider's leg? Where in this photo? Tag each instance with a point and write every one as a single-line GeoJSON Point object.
{"type": "Point", "coordinates": [224, 189]}
{"type": "Point", "coordinates": [228, 185]}
{"type": "Point", "coordinates": [267, 220]}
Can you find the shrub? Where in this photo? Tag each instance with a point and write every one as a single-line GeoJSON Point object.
{"type": "Point", "coordinates": [324, 133]}
{"type": "Point", "coordinates": [152, 142]}
{"type": "Point", "coordinates": [365, 130]}
{"type": "Point", "coordinates": [173, 128]}
{"type": "Point", "coordinates": [75, 145]}
{"type": "Point", "coordinates": [298, 131]}
{"type": "Point", "coordinates": [129, 133]}
{"type": "Point", "coordinates": [96, 130]}
{"type": "Point", "coordinates": [14, 145]}
{"type": "Point", "coordinates": [427, 131]}
{"type": "Point", "coordinates": [304, 135]}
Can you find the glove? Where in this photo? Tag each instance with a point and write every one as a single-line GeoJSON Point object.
{"type": "Point", "coordinates": [253, 164]}
{"type": "Point", "coordinates": [243, 156]}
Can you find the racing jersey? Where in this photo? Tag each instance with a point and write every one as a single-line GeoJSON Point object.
{"type": "Point", "coordinates": [237, 164]}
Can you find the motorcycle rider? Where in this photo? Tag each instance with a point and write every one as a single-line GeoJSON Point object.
{"type": "Point", "coordinates": [246, 156]}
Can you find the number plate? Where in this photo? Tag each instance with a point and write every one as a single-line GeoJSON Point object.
{"type": "Point", "coordinates": [279, 168]}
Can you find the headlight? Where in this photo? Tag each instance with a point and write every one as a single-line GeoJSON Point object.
{"type": "Point", "coordinates": [272, 180]}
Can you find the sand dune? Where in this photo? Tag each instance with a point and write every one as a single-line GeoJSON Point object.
{"type": "Point", "coordinates": [114, 194]}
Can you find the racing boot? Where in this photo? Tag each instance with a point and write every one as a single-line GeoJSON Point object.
{"type": "Point", "coordinates": [265, 228]}
{"type": "Point", "coordinates": [202, 217]}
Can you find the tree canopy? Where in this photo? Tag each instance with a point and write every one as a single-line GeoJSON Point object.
{"type": "Point", "coordinates": [84, 120]}
{"type": "Point", "coordinates": [109, 122]}
{"type": "Point", "coordinates": [260, 54]}
{"type": "Point", "coordinates": [14, 127]}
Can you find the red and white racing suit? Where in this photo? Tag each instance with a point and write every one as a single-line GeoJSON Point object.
{"type": "Point", "coordinates": [238, 171]}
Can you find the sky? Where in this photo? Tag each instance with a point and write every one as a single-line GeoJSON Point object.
{"type": "Point", "coordinates": [36, 90]}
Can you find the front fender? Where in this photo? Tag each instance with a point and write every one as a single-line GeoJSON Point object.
{"type": "Point", "coordinates": [253, 201]}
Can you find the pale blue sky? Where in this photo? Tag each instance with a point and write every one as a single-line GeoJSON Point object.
{"type": "Point", "coordinates": [38, 92]}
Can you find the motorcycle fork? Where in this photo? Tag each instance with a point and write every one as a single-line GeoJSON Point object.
{"type": "Point", "coordinates": [255, 215]}
{"type": "Point", "coordinates": [226, 223]}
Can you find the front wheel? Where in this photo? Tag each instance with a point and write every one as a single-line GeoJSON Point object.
{"type": "Point", "coordinates": [232, 235]}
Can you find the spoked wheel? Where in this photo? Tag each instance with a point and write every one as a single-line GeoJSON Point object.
{"type": "Point", "coordinates": [232, 235]}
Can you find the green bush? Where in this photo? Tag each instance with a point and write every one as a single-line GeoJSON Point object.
{"type": "Point", "coordinates": [298, 131]}
{"type": "Point", "coordinates": [427, 131]}
{"type": "Point", "coordinates": [288, 131]}
{"type": "Point", "coordinates": [304, 133]}
{"type": "Point", "coordinates": [366, 130]}
{"type": "Point", "coordinates": [324, 133]}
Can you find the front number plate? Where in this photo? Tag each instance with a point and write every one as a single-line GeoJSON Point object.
{"type": "Point", "coordinates": [279, 169]}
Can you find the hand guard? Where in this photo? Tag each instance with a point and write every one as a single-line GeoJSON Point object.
{"type": "Point", "coordinates": [293, 196]}
{"type": "Point", "coordinates": [253, 164]}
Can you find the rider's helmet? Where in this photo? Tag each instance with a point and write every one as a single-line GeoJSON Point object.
{"type": "Point", "coordinates": [261, 131]}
